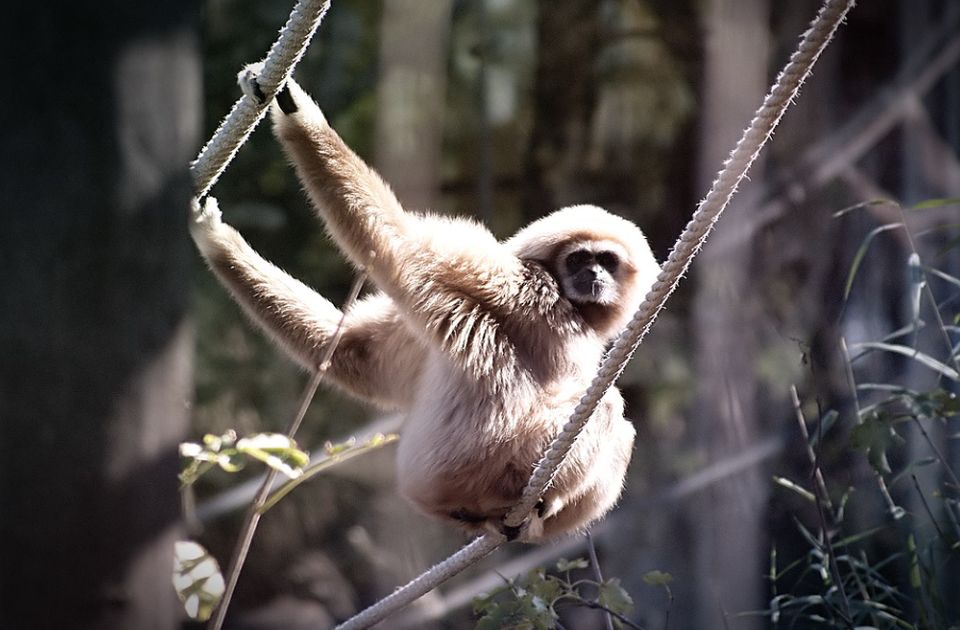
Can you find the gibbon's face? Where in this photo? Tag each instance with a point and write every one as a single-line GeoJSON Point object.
{"type": "Point", "coordinates": [591, 272]}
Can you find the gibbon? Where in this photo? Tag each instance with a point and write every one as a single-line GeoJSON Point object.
{"type": "Point", "coordinates": [486, 346]}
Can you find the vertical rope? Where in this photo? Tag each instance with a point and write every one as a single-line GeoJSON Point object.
{"type": "Point", "coordinates": [784, 90]}
{"type": "Point", "coordinates": [234, 129]}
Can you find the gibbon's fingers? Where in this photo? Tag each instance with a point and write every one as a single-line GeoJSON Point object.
{"type": "Point", "coordinates": [247, 80]}
{"type": "Point", "coordinates": [249, 84]}
{"type": "Point", "coordinates": [204, 218]}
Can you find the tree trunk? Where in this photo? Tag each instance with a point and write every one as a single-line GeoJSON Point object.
{"type": "Point", "coordinates": [727, 519]}
{"type": "Point", "coordinates": [410, 105]}
{"type": "Point", "coordinates": [95, 351]}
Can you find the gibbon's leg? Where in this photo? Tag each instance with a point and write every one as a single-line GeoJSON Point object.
{"type": "Point", "coordinates": [366, 360]}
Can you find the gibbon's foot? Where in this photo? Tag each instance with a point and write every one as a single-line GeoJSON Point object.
{"type": "Point", "coordinates": [510, 531]}
{"type": "Point", "coordinates": [466, 516]}
{"type": "Point", "coordinates": [247, 78]}
{"type": "Point", "coordinates": [541, 508]}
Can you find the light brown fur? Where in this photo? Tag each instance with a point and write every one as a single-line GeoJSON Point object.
{"type": "Point", "coordinates": [474, 339]}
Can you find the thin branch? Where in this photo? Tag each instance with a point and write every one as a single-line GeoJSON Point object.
{"type": "Point", "coordinates": [936, 451]}
{"type": "Point", "coordinates": [252, 517]}
{"type": "Point", "coordinates": [620, 618]}
{"type": "Point", "coordinates": [814, 460]}
{"type": "Point", "coordinates": [926, 506]}
{"type": "Point", "coordinates": [595, 562]}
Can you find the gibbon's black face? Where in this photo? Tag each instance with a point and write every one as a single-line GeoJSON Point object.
{"type": "Point", "coordinates": [589, 273]}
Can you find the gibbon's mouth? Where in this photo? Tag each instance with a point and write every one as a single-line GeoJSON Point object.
{"type": "Point", "coordinates": [590, 289]}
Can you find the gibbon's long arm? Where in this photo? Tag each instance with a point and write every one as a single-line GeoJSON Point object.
{"type": "Point", "coordinates": [450, 276]}
{"type": "Point", "coordinates": [374, 355]}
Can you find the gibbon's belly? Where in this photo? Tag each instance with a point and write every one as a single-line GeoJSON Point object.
{"type": "Point", "coordinates": [478, 460]}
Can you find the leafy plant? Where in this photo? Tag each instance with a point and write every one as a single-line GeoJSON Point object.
{"type": "Point", "coordinates": [530, 602]}
{"type": "Point", "coordinates": [230, 453]}
{"type": "Point", "coordinates": [897, 573]}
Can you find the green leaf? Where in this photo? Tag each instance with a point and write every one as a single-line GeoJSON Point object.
{"type": "Point", "coordinates": [790, 485]}
{"type": "Point", "coordinates": [864, 204]}
{"type": "Point", "coordinates": [614, 597]}
{"type": "Point", "coordinates": [874, 436]}
{"type": "Point", "coordinates": [277, 451]}
{"type": "Point", "coordinates": [334, 456]}
{"type": "Point", "coordinates": [862, 251]}
{"type": "Point", "coordinates": [190, 449]}
{"type": "Point", "coordinates": [196, 579]}
{"type": "Point", "coordinates": [935, 203]}
{"type": "Point", "coordinates": [564, 565]}
{"type": "Point", "coordinates": [657, 578]}
{"type": "Point", "coordinates": [547, 588]}
{"type": "Point", "coordinates": [916, 355]}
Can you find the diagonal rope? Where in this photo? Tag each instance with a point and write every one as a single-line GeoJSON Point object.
{"type": "Point", "coordinates": [233, 131]}
{"type": "Point", "coordinates": [784, 90]}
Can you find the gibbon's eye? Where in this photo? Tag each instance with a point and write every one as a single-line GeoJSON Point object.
{"type": "Point", "coordinates": [578, 259]}
{"type": "Point", "coordinates": [609, 261]}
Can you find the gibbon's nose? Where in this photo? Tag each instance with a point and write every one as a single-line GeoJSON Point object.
{"type": "Point", "coordinates": [586, 282]}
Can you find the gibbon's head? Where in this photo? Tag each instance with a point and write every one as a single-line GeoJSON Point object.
{"type": "Point", "coordinates": [601, 262]}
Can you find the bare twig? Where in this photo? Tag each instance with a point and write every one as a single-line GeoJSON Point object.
{"type": "Point", "coordinates": [252, 517]}
{"type": "Point", "coordinates": [814, 461]}
{"type": "Point", "coordinates": [926, 506]}
{"type": "Point", "coordinates": [595, 563]}
{"type": "Point", "coordinates": [620, 618]}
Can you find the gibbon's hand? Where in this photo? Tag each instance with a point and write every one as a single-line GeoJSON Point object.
{"type": "Point", "coordinates": [204, 219]}
{"type": "Point", "coordinates": [249, 85]}
{"type": "Point", "coordinates": [247, 79]}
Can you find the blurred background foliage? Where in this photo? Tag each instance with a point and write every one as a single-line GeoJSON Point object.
{"type": "Point", "coordinates": [505, 109]}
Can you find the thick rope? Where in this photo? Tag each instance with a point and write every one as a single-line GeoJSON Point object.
{"type": "Point", "coordinates": [247, 111]}
{"type": "Point", "coordinates": [213, 159]}
{"type": "Point", "coordinates": [784, 90]}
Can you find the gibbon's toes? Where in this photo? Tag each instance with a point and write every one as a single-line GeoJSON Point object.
{"type": "Point", "coordinates": [510, 531]}
{"type": "Point", "coordinates": [247, 78]}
